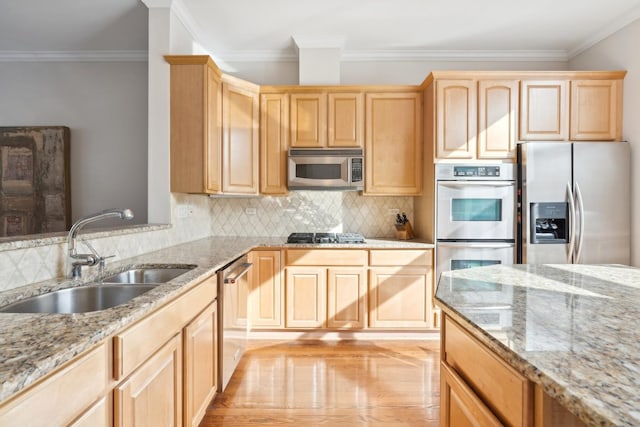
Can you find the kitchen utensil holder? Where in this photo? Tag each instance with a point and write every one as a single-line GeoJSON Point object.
{"type": "Point", "coordinates": [404, 231]}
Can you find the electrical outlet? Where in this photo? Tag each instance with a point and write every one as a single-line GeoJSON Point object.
{"type": "Point", "coordinates": [250, 211]}
{"type": "Point", "coordinates": [393, 211]}
{"type": "Point", "coordinates": [182, 211]}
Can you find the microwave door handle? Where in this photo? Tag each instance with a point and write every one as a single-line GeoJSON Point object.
{"type": "Point", "coordinates": [477, 183]}
{"type": "Point", "coordinates": [572, 223]}
{"type": "Point", "coordinates": [346, 170]}
{"type": "Point", "coordinates": [580, 238]}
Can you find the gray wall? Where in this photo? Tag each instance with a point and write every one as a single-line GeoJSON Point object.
{"type": "Point", "coordinates": [620, 52]}
{"type": "Point", "coordinates": [105, 106]}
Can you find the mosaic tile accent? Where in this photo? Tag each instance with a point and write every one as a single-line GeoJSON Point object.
{"type": "Point", "coordinates": [23, 263]}
{"type": "Point", "coordinates": [308, 211]}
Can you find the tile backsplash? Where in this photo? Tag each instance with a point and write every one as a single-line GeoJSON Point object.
{"type": "Point", "coordinates": [309, 211]}
{"type": "Point", "coordinates": [196, 216]}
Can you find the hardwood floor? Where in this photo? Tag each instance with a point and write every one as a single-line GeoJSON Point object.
{"type": "Point", "coordinates": [343, 383]}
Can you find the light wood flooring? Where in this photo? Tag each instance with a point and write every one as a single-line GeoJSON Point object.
{"type": "Point", "coordinates": [332, 383]}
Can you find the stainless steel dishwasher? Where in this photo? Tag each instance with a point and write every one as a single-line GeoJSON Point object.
{"type": "Point", "coordinates": [233, 288]}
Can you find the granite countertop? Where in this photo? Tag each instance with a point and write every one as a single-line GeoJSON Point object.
{"type": "Point", "coordinates": [33, 345]}
{"type": "Point", "coordinates": [570, 328]}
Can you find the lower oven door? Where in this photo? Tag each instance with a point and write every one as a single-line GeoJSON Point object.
{"type": "Point", "coordinates": [459, 255]}
{"type": "Point", "coordinates": [476, 210]}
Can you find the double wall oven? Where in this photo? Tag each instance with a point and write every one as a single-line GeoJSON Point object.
{"type": "Point", "coordinates": [475, 218]}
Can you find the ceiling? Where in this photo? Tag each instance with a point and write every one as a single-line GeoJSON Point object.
{"type": "Point", "coordinates": [263, 29]}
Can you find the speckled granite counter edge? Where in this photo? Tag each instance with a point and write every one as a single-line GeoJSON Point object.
{"type": "Point", "coordinates": [41, 354]}
{"type": "Point", "coordinates": [573, 404]}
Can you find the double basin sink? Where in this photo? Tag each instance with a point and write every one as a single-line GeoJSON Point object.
{"type": "Point", "coordinates": [113, 291]}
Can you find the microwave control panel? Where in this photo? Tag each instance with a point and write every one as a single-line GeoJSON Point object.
{"type": "Point", "coordinates": [356, 170]}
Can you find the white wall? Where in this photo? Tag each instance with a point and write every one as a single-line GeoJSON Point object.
{"type": "Point", "coordinates": [105, 106]}
{"type": "Point", "coordinates": [376, 72]}
{"type": "Point", "coordinates": [620, 52]}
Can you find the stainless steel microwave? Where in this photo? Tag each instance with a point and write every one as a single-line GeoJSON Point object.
{"type": "Point", "coordinates": [323, 169]}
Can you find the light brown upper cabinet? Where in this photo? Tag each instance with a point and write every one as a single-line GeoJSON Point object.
{"type": "Point", "coordinates": [346, 119]}
{"type": "Point", "coordinates": [456, 119]}
{"type": "Point", "coordinates": [240, 106]}
{"type": "Point", "coordinates": [274, 142]}
{"type": "Point", "coordinates": [498, 118]}
{"type": "Point", "coordinates": [596, 110]}
{"type": "Point", "coordinates": [393, 143]}
{"type": "Point", "coordinates": [475, 116]}
{"type": "Point", "coordinates": [214, 129]}
{"type": "Point", "coordinates": [320, 119]}
{"type": "Point", "coordinates": [196, 119]}
{"type": "Point", "coordinates": [308, 120]}
{"type": "Point", "coordinates": [544, 110]}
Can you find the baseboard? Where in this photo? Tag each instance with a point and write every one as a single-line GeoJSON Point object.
{"type": "Point", "coordinates": [287, 335]}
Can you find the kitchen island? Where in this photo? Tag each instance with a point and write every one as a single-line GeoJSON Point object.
{"type": "Point", "coordinates": [561, 334]}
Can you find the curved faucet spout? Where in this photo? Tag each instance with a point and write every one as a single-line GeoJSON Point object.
{"type": "Point", "coordinates": [89, 259]}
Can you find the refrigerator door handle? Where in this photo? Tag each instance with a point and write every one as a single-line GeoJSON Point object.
{"type": "Point", "coordinates": [572, 222]}
{"type": "Point", "coordinates": [581, 215]}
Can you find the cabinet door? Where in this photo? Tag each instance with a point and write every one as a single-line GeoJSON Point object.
{"type": "Point", "coordinates": [544, 110]}
{"type": "Point", "coordinates": [459, 406]}
{"type": "Point", "coordinates": [346, 120]}
{"type": "Point", "coordinates": [346, 294]}
{"type": "Point", "coordinates": [239, 140]}
{"type": "Point", "coordinates": [456, 119]}
{"type": "Point", "coordinates": [152, 395]}
{"type": "Point", "coordinates": [393, 141]}
{"type": "Point", "coordinates": [498, 115]}
{"type": "Point", "coordinates": [200, 364]}
{"type": "Point", "coordinates": [306, 297]}
{"type": "Point", "coordinates": [98, 415]}
{"type": "Point", "coordinates": [596, 107]}
{"type": "Point", "coordinates": [399, 297]}
{"type": "Point", "coordinates": [265, 298]}
{"type": "Point", "coordinates": [274, 142]}
{"type": "Point", "coordinates": [213, 146]}
{"type": "Point", "coordinates": [308, 120]}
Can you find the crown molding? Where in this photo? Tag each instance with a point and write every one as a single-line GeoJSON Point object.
{"type": "Point", "coordinates": [605, 32]}
{"type": "Point", "coordinates": [157, 3]}
{"type": "Point", "coordinates": [408, 55]}
{"type": "Point", "coordinates": [74, 56]}
{"type": "Point", "coordinates": [318, 42]}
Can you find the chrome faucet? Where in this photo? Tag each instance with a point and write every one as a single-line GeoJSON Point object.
{"type": "Point", "coordinates": [78, 260]}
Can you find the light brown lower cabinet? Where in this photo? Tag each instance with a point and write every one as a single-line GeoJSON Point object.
{"type": "Point", "coordinates": [479, 388]}
{"type": "Point", "coordinates": [459, 405]}
{"type": "Point", "coordinates": [98, 415]}
{"type": "Point", "coordinates": [346, 297]}
{"type": "Point", "coordinates": [65, 395]}
{"type": "Point", "coordinates": [136, 377]}
{"type": "Point", "coordinates": [152, 395]}
{"type": "Point", "coordinates": [265, 296]}
{"type": "Point", "coordinates": [306, 297]}
{"type": "Point", "coordinates": [200, 364]}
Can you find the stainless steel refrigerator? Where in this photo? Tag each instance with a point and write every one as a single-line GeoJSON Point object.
{"type": "Point", "coordinates": [574, 203]}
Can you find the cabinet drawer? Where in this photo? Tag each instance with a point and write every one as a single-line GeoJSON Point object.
{"type": "Point", "coordinates": [507, 393]}
{"type": "Point", "coordinates": [328, 257]}
{"type": "Point", "coordinates": [64, 395]}
{"type": "Point", "coordinates": [134, 345]}
{"type": "Point", "coordinates": [400, 257]}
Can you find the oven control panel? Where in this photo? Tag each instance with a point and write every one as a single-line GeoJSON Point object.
{"type": "Point", "coordinates": [476, 171]}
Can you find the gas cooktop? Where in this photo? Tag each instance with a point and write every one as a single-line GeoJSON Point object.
{"type": "Point", "coordinates": [325, 238]}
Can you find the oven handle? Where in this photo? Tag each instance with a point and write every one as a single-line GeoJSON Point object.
{"type": "Point", "coordinates": [244, 269]}
{"type": "Point", "coordinates": [483, 245]}
{"type": "Point", "coordinates": [477, 183]}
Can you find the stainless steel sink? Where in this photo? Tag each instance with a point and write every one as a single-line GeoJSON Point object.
{"type": "Point", "coordinates": [146, 275]}
{"type": "Point", "coordinates": [81, 299]}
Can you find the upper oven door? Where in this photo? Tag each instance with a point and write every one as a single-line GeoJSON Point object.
{"type": "Point", "coordinates": [476, 210]}
{"type": "Point", "coordinates": [318, 171]}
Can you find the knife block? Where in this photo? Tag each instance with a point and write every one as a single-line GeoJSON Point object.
{"type": "Point", "coordinates": [404, 231]}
